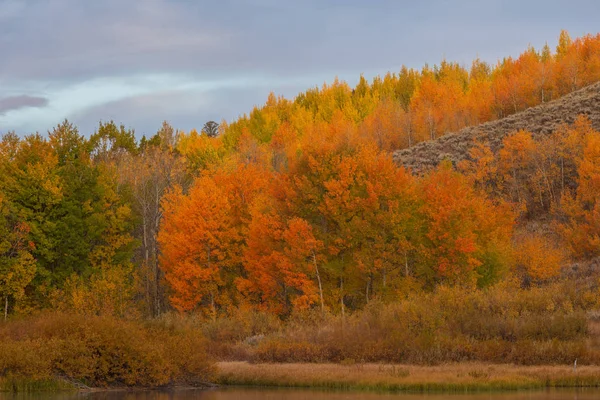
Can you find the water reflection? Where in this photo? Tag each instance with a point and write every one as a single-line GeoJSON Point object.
{"type": "Point", "coordinates": [294, 394]}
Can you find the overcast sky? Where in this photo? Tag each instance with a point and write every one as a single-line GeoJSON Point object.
{"type": "Point", "coordinates": [141, 62]}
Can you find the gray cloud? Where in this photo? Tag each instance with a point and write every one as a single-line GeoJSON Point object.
{"type": "Point", "coordinates": [53, 47]}
{"type": "Point", "coordinates": [184, 109]}
{"type": "Point", "coordinates": [17, 102]}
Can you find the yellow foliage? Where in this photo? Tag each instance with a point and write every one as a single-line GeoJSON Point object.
{"type": "Point", "coordinates": [539, 259]}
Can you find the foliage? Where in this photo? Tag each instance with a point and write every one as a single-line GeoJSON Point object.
{"type": "Point", "coordinates": [501, 324]}
{"type": "Point", "coordinates": [17, 266]}
{"type": "Point", "coordinates": [100, 351]}
{"type": "Point", "coordinates": [298, 206]}
{"type": "Point", "coordinates": [403, 108]}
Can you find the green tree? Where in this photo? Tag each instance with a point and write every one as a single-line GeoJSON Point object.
{"type": "Point", "coordinates": [211, 129]}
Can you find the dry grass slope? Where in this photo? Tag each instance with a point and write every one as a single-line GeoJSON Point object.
{"type": "Point", "coordinates": [539, 120]}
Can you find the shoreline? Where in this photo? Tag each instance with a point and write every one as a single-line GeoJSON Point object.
{"type": "Point", "coordinates": [63, 385]}
{"type": "Point", "coordinates": [459, 377]}
{"type": "Point", "coordinates": [390, 378]}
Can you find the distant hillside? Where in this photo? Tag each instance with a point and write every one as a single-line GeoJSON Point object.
{"type": "Point", "coordinates": [539, 120]}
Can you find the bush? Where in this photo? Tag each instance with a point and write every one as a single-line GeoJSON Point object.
{"type": "Point", "coordinates": [102, 351]}
{"type": "Point", "coordinates": [504, 324]}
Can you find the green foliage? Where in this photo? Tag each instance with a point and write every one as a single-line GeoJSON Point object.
{"type": "Point", "coordinates": [76, 221]}
{"type": "Point", "coordinates": [110, 140]}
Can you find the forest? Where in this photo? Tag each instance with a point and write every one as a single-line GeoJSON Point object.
{"type": "Point", "coordinates": [295, 217]}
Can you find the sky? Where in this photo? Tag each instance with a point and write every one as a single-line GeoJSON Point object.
{"type": "Point", "coordinates": [141, 62]}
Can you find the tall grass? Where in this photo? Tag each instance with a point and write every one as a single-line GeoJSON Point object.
{"type": "Point", "coordinates": [504, 324]}
{"type": "Point", "coordinates": [459, 377]}
{"type": "Point", "coordinates": [28, 385]}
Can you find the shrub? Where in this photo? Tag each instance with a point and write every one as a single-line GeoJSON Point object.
{"type": "Point", "coordinates": [504, 324]}
{"type": "Point", "coordinates": [101, 351]}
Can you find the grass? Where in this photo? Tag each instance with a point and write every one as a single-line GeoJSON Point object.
{"type": "Point", "coordinates": [28, 385]}
{"type": "Point", "coordinates": [460, 377]}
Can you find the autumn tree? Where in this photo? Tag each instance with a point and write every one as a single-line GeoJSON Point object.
{"type": "Point", "coordinates": [467, 237]}
{"type": "Point", "coordinates": [194, 238]}
{"type": "Point", "coordinates": [202, 237]}
{"type": "Point", "coordinates": [537, 259]}
{"type": "Point", "coordinates": [281, 263]}
{"type": "Point", "coordinates": [581, 209]}
{"type": "Point", "coordinates": [71, 207]}
{"type": "Point", "coordinates": [200, 152]}
{"type": "Point", "coordinates": [17, 265]}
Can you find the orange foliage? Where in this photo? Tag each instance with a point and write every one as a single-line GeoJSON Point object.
{"type": "Point", "coordinates": [539, 259]}
{"type": "Point", "coordinates": [194, 240]}
{"type": "Point", "coordinates": [300, 205]}
{"type": "Point", "coordinates": [401, 109]}
{"type": "Point", "coordinates": [582, 230]}
{"type": "Point", "coordinates": [203, 235]}
{"type": "Point", "coordinates": [462, 227]}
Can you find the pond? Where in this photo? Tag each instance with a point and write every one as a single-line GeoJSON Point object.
{"type": "Point", "coordinates": [295, 394]}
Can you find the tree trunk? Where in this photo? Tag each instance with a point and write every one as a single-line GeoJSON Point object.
{"type": "Point", "coordinates": [156, 271]}
{"type": "Point", "coordinates": [342, 297]}
{"type": "Point", "coordinates": [562, 176]}
{"type": "Point", "coordinates": [5, 307]}
{"type": "Point", "coordinates": [319, 281]}
{"type": "Point", "coordinates": [213, 307]}
{"type": "Point", "coordinates": [516, 183]}
{"type": "Point", "coordinates": [147, 266]}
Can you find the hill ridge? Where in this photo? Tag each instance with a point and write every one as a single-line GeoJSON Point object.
{"type": "Point", "coordinates": [539, 120]}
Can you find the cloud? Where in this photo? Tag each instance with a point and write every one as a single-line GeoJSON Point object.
{"type": "Point", "coordinates": [17, 102]}
{"type": "Point", "coordinates": [185, 103]}
{"type": "Point", "coordinates": [85, 57]}
{"type": "Point", "coordinates": [72, 40]}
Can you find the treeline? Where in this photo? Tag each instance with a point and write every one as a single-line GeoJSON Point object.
{"type": "Point", "coordinates": [341, 225]}
{"type": "Point", "coordinates": [79, 219]}
{"type": "Point", "coordinates": [400, 109]}
{"type": "Point", "coordinates": [299, 205]}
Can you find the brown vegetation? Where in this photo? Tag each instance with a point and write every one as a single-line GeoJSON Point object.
{"type": "Point", "coordinates": [101, 351]}
{"type": "Point", "coordinates": [503, 324]}
{"type": "Point", "coordinates": [393, 377]}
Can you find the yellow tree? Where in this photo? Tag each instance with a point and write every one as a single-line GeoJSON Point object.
{"type": "Point", "coordinates": [537, 259]}
{"type": "Point", "coordinates": [17, 265]}
{"type": "Point", "coordinates": [425, 108]}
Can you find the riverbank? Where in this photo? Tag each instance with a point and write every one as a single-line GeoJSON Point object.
{"type": "Point", "coordinates": [65, 385]}
{"type": "Point", "coordinates": [29, 385]}
{"type": "Point", "coordinates": [456, 377]}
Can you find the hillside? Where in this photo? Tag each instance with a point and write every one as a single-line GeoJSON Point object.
{"type": "Point", "coordinates": [542, 119]}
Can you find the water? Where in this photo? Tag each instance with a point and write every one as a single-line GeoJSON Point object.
{"type": "Point", "coordinates": [295, 394]}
